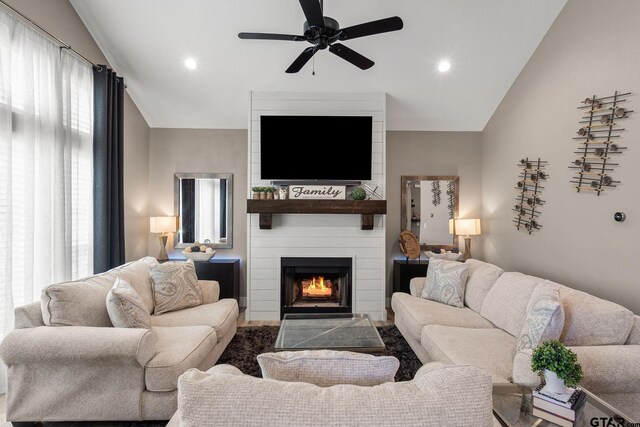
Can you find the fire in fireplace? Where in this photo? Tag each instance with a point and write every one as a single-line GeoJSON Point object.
{"type": "Point", "coordinates": [316, 285]}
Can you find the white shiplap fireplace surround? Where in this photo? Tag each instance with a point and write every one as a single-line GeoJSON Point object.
{"type": "Point", "coordinates": [316, 235]}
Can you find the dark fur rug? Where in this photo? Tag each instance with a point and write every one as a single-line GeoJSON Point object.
{"type": "Point", "coordinates": [251, 341]}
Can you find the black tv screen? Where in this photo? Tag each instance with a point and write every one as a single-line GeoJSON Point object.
{"type": "Point", "coordinates": [315, 148]}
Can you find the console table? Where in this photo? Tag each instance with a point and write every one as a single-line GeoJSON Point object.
{"type": "Point", "coordinates": [226, 271]}
{"type": "Point", "coordinates": [404, 271]}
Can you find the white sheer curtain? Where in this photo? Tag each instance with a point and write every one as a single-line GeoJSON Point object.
{"type": "Point", "coordinates": [207, 209]}
{"type": "Point", "coordinates": [46, 167]}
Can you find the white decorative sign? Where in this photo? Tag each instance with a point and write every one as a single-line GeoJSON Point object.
{"type": "Point", "coordinates": [317, 192]}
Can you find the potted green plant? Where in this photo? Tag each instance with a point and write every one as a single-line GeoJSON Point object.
{"type": "Point", "coordinates": [256, 192]}
{"type": "Point", "coordinates": [358, 193]}
{"type": "Point", "coordinates": [558, 365]}
{"type": "Point", "coordinates": [269, 192]}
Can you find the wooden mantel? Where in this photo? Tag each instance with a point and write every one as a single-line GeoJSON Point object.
{"type": "Point", "coordinates": [365, 208]}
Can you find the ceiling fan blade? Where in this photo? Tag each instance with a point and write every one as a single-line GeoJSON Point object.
{"type": "Point", "coordinates": [351, 55]}
{"type": "Point", "coordinates": [370, 28]}
{"type": "Point", "coordinates": [301, 60]}
{"type": "Point", "coordinates": [269, 36]}
{"type": "Point", "coordinates": [313, 12]}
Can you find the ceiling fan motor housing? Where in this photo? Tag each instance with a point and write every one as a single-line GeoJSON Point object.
{"type": "Point", "coordinates": [321, 36]}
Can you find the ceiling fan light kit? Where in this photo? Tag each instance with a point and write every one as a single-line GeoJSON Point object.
{"type": "Point", "coordinates": [324, 32]}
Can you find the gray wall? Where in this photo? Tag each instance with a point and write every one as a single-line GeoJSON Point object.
{"type": "Point", "coordinates": [432, 153]}
{"type": "Point", "coordinates": [581, 245]}
{"type": "Point", "coordinates": [61, 19]}
{"type": "Point", "coordinates": [199, 151]}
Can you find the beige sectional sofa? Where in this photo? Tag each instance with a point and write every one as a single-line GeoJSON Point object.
{"type": "Point", "coordinates": [66, 361]}
{"type": "Point", "coordinates": [438, 395]}
{"type": "Point", "coordinates": [484, 333]}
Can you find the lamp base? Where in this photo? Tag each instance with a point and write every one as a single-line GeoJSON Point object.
{"type": "Point", "coordinates": [163, 256]}
{"type": "Point", "coordinates": [467, 248]}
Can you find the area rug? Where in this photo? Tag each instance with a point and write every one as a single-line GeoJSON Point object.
{"type": "Point", "coordinates": [251, 341]}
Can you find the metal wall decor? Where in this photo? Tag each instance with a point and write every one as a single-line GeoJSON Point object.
{"type": "Point", "coordinates": [599, 139]}
{"type": "Point", "coordinates": [528, 201]}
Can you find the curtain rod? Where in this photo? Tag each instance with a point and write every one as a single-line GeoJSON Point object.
{"type": "Point", "coordinates": [63, 44]}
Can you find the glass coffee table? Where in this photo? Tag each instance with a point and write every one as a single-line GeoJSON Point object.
{"type": "Point", "coordinates": [348, 332]}
{"type": "Point", "coordinates": [512, 406]}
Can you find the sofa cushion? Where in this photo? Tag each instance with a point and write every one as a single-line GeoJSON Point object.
{"type": "Point", "coordinates": [326, 368]}
{"type": "Point", "coordinates": [450, 395]}
{"type": "Point", "coordinates": [506, 302]}
{"type": "Point", "coordinates": [545, 317]}
{"type": "Point", "coordinates": [590, 320]}
{"type": "Point", "coordinates": [221, 316]}
{"type": "Point", "coordinates": [489, 349]}
{"type": "Point", "coordinates": [481, 277]}
{"type": "Point", "coordinates": [177, 349]}
{"type": "Point", "coordinates": [418, 312]}
{"type": "Point", "coordinates": [175, 286]}
{"type": "Point", "coordinates": [126, 308]}
{"type": "Point", "coordinates": [634, 336]}
{"type": "Point", "coordinates": [445, 282]}
{"type": "Point", "coordinates": [82, 302]}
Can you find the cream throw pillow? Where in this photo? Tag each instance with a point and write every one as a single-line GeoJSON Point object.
{"type": "Point", "coordinates": [326, 368]}
{"type": "Point", "coordinates": [175, 286]}
{"type": "Point", "coordinates": [545, 317]}
{"type": "Point", "coordinates": [125, 307]}
{"type": "Point", "coordinates": [446, 282]}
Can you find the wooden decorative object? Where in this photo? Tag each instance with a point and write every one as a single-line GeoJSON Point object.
{"type": "Point", "coordinates": [528, 200]}
{"type": "Point", "coordinates": [599, 139]}
{"type": "Point", "coordinates": [409, 244]}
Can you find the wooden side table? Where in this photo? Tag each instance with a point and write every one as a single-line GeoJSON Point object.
{"type": "Point", "coordinates": [404, 271]}
{"type": "Point", "coordinates": [226, 271]}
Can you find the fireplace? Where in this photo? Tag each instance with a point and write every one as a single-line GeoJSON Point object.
{"type": "Point", "coordinates": [316, 285]}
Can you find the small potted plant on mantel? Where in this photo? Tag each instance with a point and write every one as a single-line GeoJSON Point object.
{"type": "Point", "coordinates": [558, 365]}
{"type": "Point", "coordinates": [258, 192]}
{"type": "Point", "coordinates": [270, 192]}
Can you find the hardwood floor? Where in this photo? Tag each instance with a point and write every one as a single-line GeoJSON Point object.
{"type": "Point", "coordinates": [241, 322]}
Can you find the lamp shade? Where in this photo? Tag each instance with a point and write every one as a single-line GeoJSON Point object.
{"type": "Point", "coordinates": [162, 224]}
{"type": "Point", "coordinates": [467, 227]}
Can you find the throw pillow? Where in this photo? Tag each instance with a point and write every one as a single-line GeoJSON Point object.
{"type": "Point", "coordinates": [175, 286]}
{"type": "Point", "coordinates": [326, 368]}
{"type": "Point", "coordinates": [544, 319]}
{"type": "Point", "coordinates": [125, 307]}
{"type": "Point", "coordinates": [446, 282]}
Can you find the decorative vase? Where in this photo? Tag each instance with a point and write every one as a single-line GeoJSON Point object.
{"type": "Point", "coordinates": [553, 384]}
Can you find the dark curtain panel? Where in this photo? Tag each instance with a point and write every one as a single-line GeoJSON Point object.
{"type": "Point", "coordinates": [108, 197]}
{"type": "Point", "coordinates": [188, 209]}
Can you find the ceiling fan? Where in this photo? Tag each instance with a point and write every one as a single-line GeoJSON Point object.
{"type": "Point", "coordinates": [324, 32]}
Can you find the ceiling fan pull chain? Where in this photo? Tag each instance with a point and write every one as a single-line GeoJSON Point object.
{"type": "Point", "coordinates": [313, 73]}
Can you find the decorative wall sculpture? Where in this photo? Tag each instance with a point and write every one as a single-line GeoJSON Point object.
{"type": "Point", "coordinates": [599, 137]}
{"type": "Point", "coordinates": [528, 201]}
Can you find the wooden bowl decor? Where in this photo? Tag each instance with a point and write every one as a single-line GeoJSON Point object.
{"type": "Point", "coordinates": [409, 244]}
{"type": "Point", "coordinates": [599, 141]}
{"type": "Point", "coordinates": [528, 200]}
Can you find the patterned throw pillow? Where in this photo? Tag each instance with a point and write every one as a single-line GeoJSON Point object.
{"type": "Point", "coordinates": [545, 317]}
{"type": "Point", "coordinates": [326, 368]}
{"type": "Point", "coordinates": [446, 281]}
{"type": "Point", "coordinates": [125, 307]}
{"type": "Point", "coordinates": [175, 286]}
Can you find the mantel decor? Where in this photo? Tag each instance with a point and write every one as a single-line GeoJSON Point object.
{"type": "Point", "coordinates": [528, 201]}
{"type": "Point", "coordinates": [599, 138]}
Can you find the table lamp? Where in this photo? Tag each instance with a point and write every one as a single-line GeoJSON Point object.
{"type": "Point", "coordinates": [163, 225]}
{"type": "Point", "coordinates": [466, 228]}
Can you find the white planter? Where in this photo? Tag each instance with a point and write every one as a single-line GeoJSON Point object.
{"type": "Point", "coordinates": [553, 384]}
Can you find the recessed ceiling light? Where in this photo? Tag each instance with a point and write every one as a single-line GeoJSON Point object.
{"type": "Point", "coordinates": [190, 63]}
{"type": "Point", "coordinates": [444, 66]}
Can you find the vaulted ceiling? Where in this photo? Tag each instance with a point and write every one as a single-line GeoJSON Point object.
{"type": "Point", "coordinates": [488, 42]}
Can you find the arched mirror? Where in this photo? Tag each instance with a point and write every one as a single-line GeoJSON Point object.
{"type": "Point", "coordinates": [204, 205]}
{"type": "Point", "coordinates": [428, 203]}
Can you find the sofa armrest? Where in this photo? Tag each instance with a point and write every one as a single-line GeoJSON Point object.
{"type": "Point", "coordinates": [415, 286]}
{"type": "Point", "coordinates": [210, 291]}
{"type": "Point", "coordinates": [76, 344]}
{"type": "Point", "coordinates": [607, 368]}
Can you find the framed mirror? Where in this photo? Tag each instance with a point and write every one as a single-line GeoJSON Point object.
{"type": "Point", "coordinates": [204, 206]}
{"type": "Point", "coordinates": [428, 202]}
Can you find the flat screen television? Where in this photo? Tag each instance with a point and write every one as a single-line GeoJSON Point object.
{"type": "Point", "coordinates": [315, 148]}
